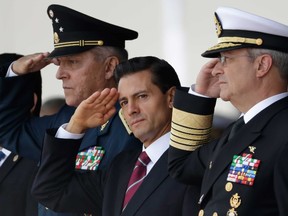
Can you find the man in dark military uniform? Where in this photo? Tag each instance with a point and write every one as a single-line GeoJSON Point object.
{"type": "Point", "coordinates": [87, 50]}
{"type": "Point", "coordinates": [16, 172]}
{"type": "Point", "coordinates": [245, 171]}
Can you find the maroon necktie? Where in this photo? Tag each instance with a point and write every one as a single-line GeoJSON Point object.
{"type": "Point", "coordinates": [137, 177]}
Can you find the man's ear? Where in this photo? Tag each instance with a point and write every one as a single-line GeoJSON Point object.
{"type": "Point", "coordinates": [35, 102]}
{"type": "Point", "coordinates": [264, 65]}
{"type": "Point", "coordinates": [110, 64]}
{"type": "Point", "coordinates": [171, 93]}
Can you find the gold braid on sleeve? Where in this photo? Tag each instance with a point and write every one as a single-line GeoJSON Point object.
{"type": "Point", "coordinates": [190, 131]}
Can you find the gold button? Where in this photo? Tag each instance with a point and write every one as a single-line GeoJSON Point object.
{"type": "Point", "coordinates": [201, 212]}
{"type": "Point", "coordinates": [215, 214]}
{"type": "Point", "coordinates": [228, 186]}
{"type": "Point", "coordinates": [51, 13]}
{"type": "Point", "coordinates": [15, 158]}
{"type": "Point", "coordinates": [259, 41]}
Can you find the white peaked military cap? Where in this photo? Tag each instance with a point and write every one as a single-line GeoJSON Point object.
{"type": "Point", "coordinates": [239, 29]}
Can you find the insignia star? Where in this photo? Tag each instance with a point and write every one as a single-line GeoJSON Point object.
{"type": "Point", "coordinates": [57, 20]}
{"type": "Point", "coordinates": [61, 29]}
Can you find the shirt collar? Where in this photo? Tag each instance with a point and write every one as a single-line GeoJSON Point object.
{"type": "Point", "coordinates": [158, 147]}
{"type": "Point", "coordinates": [6, 151]}
{"type": "Point", "coordinates": [262, 105]}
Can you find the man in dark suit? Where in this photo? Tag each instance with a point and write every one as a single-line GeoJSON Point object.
{"type": "Point", "coordinates": [146, 88]}
{"type": "Point", "coordinates": [245, 171]}
{"type": "Point", "coordinates": [86, 51]}
{"type": "Point", "coordinates": [16, 178]}
{"type": "Point", "coordinates": [17, 173]}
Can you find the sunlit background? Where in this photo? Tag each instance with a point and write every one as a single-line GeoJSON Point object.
{"type": "Point", "coordinates": [175, 30]}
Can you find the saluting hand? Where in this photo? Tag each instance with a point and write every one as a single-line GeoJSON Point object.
{"type": "Point", "coordinates": [30, 63]}
{"type": "Point", "coordinates": [94, 111]}
{"type": "Point", "coordinates": [207, 83]}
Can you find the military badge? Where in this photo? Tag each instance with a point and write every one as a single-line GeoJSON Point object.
{"type": "Point", "coordinates": [243, 169]}
{"type": "Point", "coordinates": [218, 25]}
{"type": "Point", "coordinates": [56, 38]}
{"type": "Point", "coordinates": [51, 14]}
{"type": "Point", "coordinates": [235, 202]}
{"type": "Point", "coordinates": [252, 149]}
{"type": "Point", "coordinates": [90, 158]}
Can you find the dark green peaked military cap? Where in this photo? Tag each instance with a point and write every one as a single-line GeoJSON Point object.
{"type": "Point", "coordinates": [75, 32]}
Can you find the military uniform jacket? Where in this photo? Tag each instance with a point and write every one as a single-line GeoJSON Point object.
{"type": "Point", "coordinates": [264, 138]}
{"type": "Point", "coordinates": [16, 124]}
{"type": "Point", "coordinates": [16, 178]}
{"type": "Point", "coordinates": [57, 186]}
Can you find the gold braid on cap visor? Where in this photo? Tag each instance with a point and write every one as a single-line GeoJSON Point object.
{"type": "Point", "coordinates": [225, 42]}
{"type": "Point", "coordinates": [80, 43]}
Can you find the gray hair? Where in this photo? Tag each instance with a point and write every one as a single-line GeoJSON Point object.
{"type": "Point", "coordinates": [102, 52]}
{"type": "Point", "coordinates": [280, 59]}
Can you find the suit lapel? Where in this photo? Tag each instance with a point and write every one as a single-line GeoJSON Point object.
{"type": "Point", "coordinates": [155, 177]}
{"type": "Point", "coordinates": [8, 165]}
{"type": "Point", "coordinates": [239, 143]}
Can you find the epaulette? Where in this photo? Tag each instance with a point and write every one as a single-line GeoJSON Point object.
{"type": "Point", "coordinates": [124, 122]}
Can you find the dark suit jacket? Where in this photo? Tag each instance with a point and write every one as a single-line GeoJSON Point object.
{"type": "Point", "coordinates": [267, 132]}
{"type": "Point", "coordinates": [16, 178]}
{"type": "Point", "coordinates": [16, 124]}
{"type": "Point", "coordinates": [58, 187]}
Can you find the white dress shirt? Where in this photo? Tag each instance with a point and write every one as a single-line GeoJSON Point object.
{"type": "Point", "coordinates": [257, 108]}
{"type": "Point", "coordinates": [7, 153]}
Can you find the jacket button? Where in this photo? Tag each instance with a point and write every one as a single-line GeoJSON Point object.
{"type": "Point", "coordinates": [201, 212]}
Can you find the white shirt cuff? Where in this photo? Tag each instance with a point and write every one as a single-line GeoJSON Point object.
{"type": "Point", "coordinates": [10, 72]}
{"type": "Point", "coordinates": [192, 91]}
{"type": "Point", "coordinates": [62, 133]}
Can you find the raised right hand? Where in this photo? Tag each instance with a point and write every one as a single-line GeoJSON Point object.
{"type": "Point", "coordinates": [30, 63]}
{"type": "Point", "coordinates": [207, 83]}
{"type": "Point", "coordinates": [94, 111]}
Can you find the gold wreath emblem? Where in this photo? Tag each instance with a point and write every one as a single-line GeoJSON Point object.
{"type": "Point", "coordinates": [56, 38]}
{"type": "Point", "coordinates": [218, 25]}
